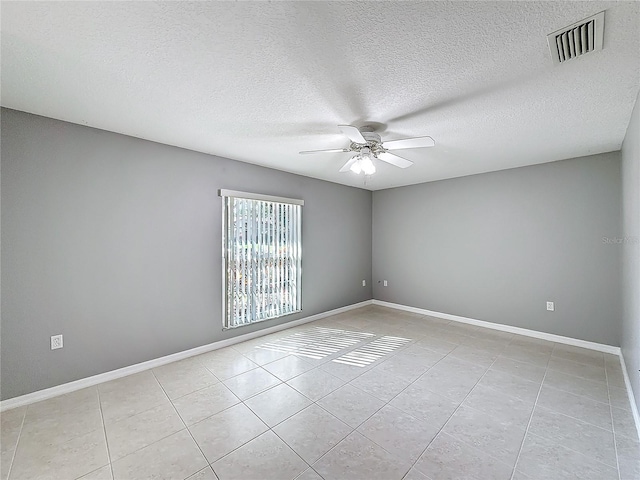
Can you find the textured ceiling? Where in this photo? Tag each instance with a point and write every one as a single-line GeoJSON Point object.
{"type": "Point", "coordinates": [258, 82]}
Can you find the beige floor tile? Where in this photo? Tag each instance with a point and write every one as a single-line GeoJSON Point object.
{"type": "Point", "coordinates": [316, 384]}
{"type": "Point", "coordinates": [414, 474]}
{"type": "Point", "coordinates": [496, 438]}
{"type": "Point", "coordinates": [628, 458]}
{"type": "Point", "coordinates": [533, 357]}
{"type": "Point", "coordinates": [251, 383]}
{"type": "Point", "coordinates": [424, 356]}
{"type": "Point", "coordinates": [582, 408]}
{"type": "Point", "coordinates": [399, 433]}
{"type": "Point", "coordinates": [345, 372]}
{"type": "Point", "coordinates": [436, 344]}
{"type": "Point", "coordinates": [588, 372]}
{"type": "Point", "coordinates": [130, 395]}
{"type": "Point", "coordinates": [425, 405]}
{"type": "Point", "coordinates": [80, 401]}
{"type": "Point", "coordinates": [458, 328]}
{"type": "Point", "coordinates": [6, 459]}
{"type": "Point", "coordinates": [505, 408]}
{"type": "Point", "coordinates": [204, 474]}
{"type": "Point", "coordinates": [103, 473]}
{"type": "Point", "coordinates": [184, 377]}
{"type": "Point", "coordinates": [10, 425]}
{"type": "Point", "coordinates": [449, 459]}
{"type": "Point", "coordinates": [404, 367]}
{"type": "Point", "coordinates": [619, 398]}
{"type": "Point", "coordinates": [71, 459]}
{"type": "Point", "coordinates": [533, 343]}
{"type": "Point", "coordinates": [61, 427]}
{"type": "Point", "coordinates": [351, 405]}
{"type": "Point", "coordinates": [223, 432]}
{"type": "Point", "coordinates": [176, 456]}
{"type": "Point", "coordinates": [227, 365]}
{"type": "Point", "coordinates": [358, 458]}
{"type": "Point", "coordinates": [277, 404]}
{"type": "Point", "coordinates": [623, 423]}
{"type": "Point", "coordinates": [578, 386]}
{"type": "Point", "coordinates": [288, 367]}
{"type": "Point", "coordinates": [309, 474]}
{"type": "Point", "coordinates": [452, 378]}
{"type": "Point", "coordinates": [615, 377]}
{"type": "Point", "coordinates": [512, 385]}
{"type": "Point", "coordinates": [248, 345]}
{"type": "Point", "coordinates": [60, 419]}
{"type": "Point", "coordinates": [133, 433]}
{"type": "Point", "coordinates": [542, 458]}
{"type": "Point", "coordinates": [263, 354]}
{"type": "Point", "coordinates": [525, 370]}
{"type": "Point", "coordinates": [265, 458]}
{"type": "Point", "coordinates": [203, 403]}
{"type": "Point", "coordinates": [584, 438]}
{"type": "Point", "coordinates": [312, 432]}
{"type": "Point", "coordinates": [474, 355]}
{"type": "Point", "coordinates": [579, 355]}
{"type": "Point", "coordinates": [383, 385]}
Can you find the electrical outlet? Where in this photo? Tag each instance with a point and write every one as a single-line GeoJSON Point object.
{"type": "Point", "coordinates": [364, 283]}
{"type": "Point", "coordinates": [385, 283]}
{"type": "Point", "coordinates": [551, 307]}
{"type": "Point", "coordinates": [56, 342]}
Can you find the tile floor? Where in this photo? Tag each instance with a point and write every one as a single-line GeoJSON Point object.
{"type": "Point", "coordinates": [370, 394]}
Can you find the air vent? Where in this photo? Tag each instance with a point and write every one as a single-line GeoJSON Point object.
{"type": "Point", "coordinates": [575, 40]}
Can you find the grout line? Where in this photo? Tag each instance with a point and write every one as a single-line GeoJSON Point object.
{"type": "Point", "coordinates": [15, 450]}
{"type": "Point", "coordinates": [454, 412]}
{"type": "Point", "coordinates": [271, 429]}
{"type": "Point", "coordinates": [157, 440]}
{"type": "Point", "coordinates": [581, 454]}
{"type": "Point", "coordinates": [183, 422]}
{"type": "Point", "coordinates": [535, 404]}
{"type": "Point", "coordinates": [348, 382]}
{"type": "Point", "coordinates": [104, 430]}
{"type": "Point", "coordinates": [613, 426]}
{"type": "Point", "coordinates": [575, 418]}
{"type": "Point", "coordinates": [409, 385]}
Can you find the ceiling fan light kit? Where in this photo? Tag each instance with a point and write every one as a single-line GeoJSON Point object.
{"type": "Point", "coordinates": [368, 146]}
{"type": "Point", "coordinates": [363, 163]}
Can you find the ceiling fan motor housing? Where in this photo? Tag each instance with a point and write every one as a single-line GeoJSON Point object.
{"type": "Point", "coordinates": [374, 142]}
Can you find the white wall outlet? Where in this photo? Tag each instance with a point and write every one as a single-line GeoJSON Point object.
{"type": "Point", "coordinates": [56, 342]}
{"type": "Point", "coordinates": [385, 283]}
{"type": "Point", "coordinates": [364, 283]}
{"type": "Point", "coordinates": [551, 306]}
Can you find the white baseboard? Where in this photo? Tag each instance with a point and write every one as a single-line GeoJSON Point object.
{"type": "Point", "coordinates": [506, 328]}
{"type": "Point", "coordinates": [157, 362]}
{"type": "Point", "coordinates": [632, 400]}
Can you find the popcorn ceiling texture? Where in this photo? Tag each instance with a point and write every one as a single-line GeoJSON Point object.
{"type": "Point", "coordinates": [258, 82]}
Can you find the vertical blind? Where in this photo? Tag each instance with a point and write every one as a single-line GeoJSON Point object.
{"type": "Point", "coordinates": [262, 257]}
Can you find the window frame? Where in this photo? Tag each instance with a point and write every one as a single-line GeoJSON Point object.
{"type": "Point", "coordinates": [227, 308]}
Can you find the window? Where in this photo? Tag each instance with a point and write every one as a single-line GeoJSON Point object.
{"type": "Point", "coordinates": [262, 257]}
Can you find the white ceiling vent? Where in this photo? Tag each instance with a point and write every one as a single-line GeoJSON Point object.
{"type": "Point", "coordinates": [575, 40]}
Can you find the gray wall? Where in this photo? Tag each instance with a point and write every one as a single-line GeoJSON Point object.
{"type": "Point", "coordinates": [115, 243]}
{"type": "Point", "coordinates": [631, 250]}
{"type": "Point", "coordinates": [497, 246]}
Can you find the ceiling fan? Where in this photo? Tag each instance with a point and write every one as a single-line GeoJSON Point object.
{"type": "Point", "coordinates": [368, 146]}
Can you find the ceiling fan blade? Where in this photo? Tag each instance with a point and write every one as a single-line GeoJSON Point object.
{"type": "Point", "coordinates": [353, 133]}
{"type": "Point", "coordinates": [334, 150]}
{"type": "Point", "coordinates": [394, 160]}
{"type": "Point", "coordinates": [347, 166]}
{"type": "Point", "coordinates": [416, 142]}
